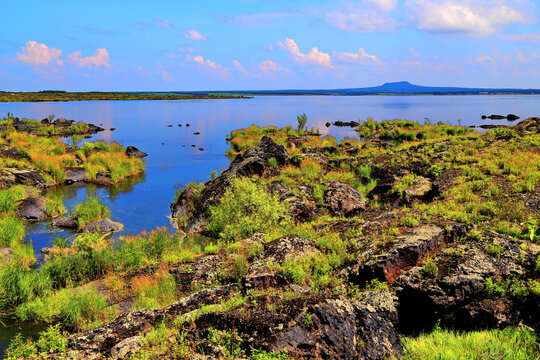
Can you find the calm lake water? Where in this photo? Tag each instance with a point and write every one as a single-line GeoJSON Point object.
{"type": "Point", "coordinates": [143, 202]}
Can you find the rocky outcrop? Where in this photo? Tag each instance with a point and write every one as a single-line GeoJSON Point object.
{"type": "Point", "coordinates": [457, 293]}
{"type": "Point", "coordinates": [33, 208]}
{"type": "Point", "coordinates": [311, 327]}
{"type": "Point", "coordinates": [12, 176]}
{"type": "Point", "coordinates": [133, 151]}
{"type": "Point", "coordinates": [74, 175]}
{"type": "Point", "coordinates": [68, 223]}
{"type": "Point", "coordinates": [253, 161]}
{"type": "Point", "coordinates": [407, 252]}
{"type": "Point", "coordinates": [103, 226]}
{"type": "Point", "coordinates": [343, 199]}
{"type": "Point", "coordinates": [302, 206]}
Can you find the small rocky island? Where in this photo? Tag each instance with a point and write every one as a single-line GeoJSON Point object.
{"type": "Point", "coordinates": [309, 248]}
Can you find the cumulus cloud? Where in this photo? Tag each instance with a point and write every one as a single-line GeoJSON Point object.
{"type": "Point", "coordinates": [209, 65]}
{"type": "Point", "coordinates": [268, 66]}
{"type": "Point", "coordinates": [314, 56]}
{"type": "Point", "coordinates": [469, 17]}
{"type": "Point", "coordinates": [484, 59]}
{"type": "Point", "coordinates": [101, 58]}
{"type": "Point", "coordinates": [39, 54]}
{"type": "Point", "coordinates": [361, 57]}
{"type": "Point", "coordinates": [194, 35]}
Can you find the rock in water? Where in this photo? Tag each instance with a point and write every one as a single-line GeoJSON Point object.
{"type": "Point", "coordinates": [496, 117]}
{"type": "Point", "coordinates": [512, 117]}
{"type": "Point", "coordinates": [74, 174]}
{"type": "Point", "coordinates": [103, 226]}
{"type": "Point", "coordinates": [133, 151]}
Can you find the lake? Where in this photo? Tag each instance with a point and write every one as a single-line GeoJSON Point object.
{"type": "Point", "coordinates": [174, 156]}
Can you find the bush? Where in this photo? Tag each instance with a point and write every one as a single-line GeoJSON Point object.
{"type": "Point", "coordinates": [20, 348]}
{"type": "Point", "coordinates": [91, 210]}
{"type": "Point", "coordinates": [430, 269]}
{"type": "Point", "coordinates": [52, 340]}
{"type": "Point", "coordinates": [245, 208]}
{"type": "Point", "coordinates": [302, 119]}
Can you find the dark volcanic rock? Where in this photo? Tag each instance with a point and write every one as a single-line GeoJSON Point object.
{"type": "Point", "coordinates": [253, 161]}
{"type": "Point", "coordinates": [343, 199]}
{"type": "Point", "coordinates": [511, 117]}
{"type": "Point", "coordinates": [457, 294]}
{"type": "Point", "coordinates": [337, 329]}
{"type": "Point", "coordinates": [103, 226]}
{"type": "Point", "coordinates": [496, 117]}
{"type": "Point", "coordinates": [327, 124]}
{"type": "Point", "coordinates": [491, 126]}
{"type": "Point", "coordinates": [133, 151]}
{"type": "Point", "coordinates": [12, 176]}
{"type": "Point", "coordinates": [340, 123]}
{"type": "Point", "coordinates": [407, 252]}
{"type": "Point", "coordinates": [320, 150]}
{"type": "Point", "coordinates": [74, 174]}
{"type": "Point", "coordinates": [69, 223]}
{"type": "Point", "coordinates": [33, 208]}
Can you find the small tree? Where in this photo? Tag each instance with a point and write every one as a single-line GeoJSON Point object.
{"type": "Point", "coordinates": [302, 119]}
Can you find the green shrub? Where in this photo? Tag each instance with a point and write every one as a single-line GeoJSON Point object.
{"type": "Point", "coordinates": [20, 348]}
{"type": "Point", "coordinates": [91, 210]}
{"type": "Point", "coordinates": [52, 340]}
{"type": "Point", "coordinates": [268, 355]}
{"type": "Point", "coordinates": [230, 342]}
{"type": "Point", "coordinates": [82, 306]}
{"type": "Point", "coordinates": [302, 119]}
{"type": "Point", "coordinates": [244, 209]}
{"type": "Point", "coordinates": [430, 269]}
{"type": "Point", "coordinates": [211, 249]}
{"type": "Point", "coordinates": [494, 250]}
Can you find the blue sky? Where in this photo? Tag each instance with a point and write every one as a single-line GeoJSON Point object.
{"type": "Point", "coordinates": [273, 44]}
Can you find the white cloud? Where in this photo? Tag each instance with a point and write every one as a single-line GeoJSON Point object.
{"type": "Point", "coordinates": [101, 58]}
{"type": "Point", "coordinates": [268, 66]}
{"type": "Point", "coordinates": [194, 35]}
{"type": "Point", "coordinates": [360, 20]}
{"type": "Point", "coordinates": [39, 54]}
{"type": "Point", "coordinates": [165, 75]}
{"type": "Point", "coordinates": [413, 52]}
{"type": "Point", "coordinates": [209, 65]}
{"type": "Point", "coordinates": [242, 70]}
{"type": "Point", "coordinates": [484, 59]}
{"type": "Point", "coordinates": [361, 57]}
{"type": "Point", "coordinates": [143, 71]}
{"type": "Point", "coordinates": [314, 56]}
{"type": "Point", "coordinates": [383, 5]}
{"type": "Point", "coordinates": [469, 17]}
{"type": "Point", "coordinates": [365, 16]}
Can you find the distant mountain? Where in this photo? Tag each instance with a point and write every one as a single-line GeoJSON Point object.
{"type": "Point", "coordinates": [392, 88]}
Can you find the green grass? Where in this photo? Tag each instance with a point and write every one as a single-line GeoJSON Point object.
{"type": "Point", "coordinates": [11, 231]}
{"type": "Point", "coordinates": [92, 209]}
{"type": "Point", "coordinates": [489, 344]}
{"type": "Point", "coordinates": [10, 197]}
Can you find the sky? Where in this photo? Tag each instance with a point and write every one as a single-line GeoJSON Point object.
{"type": "Point", "coordinates": [159, 45]}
